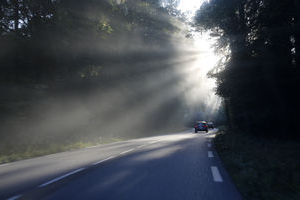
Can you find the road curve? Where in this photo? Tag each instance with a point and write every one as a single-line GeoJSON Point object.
{"type": "Point", "coordinates": [175, 166]}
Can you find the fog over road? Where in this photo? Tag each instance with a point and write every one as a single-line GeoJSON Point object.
{"type": "Point", "coordinates": [174, 166]}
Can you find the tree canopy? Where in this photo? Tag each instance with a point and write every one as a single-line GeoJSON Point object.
{"type": "Point", "coordinates": [71, 69]}
{"type": "Point", "coordinates": [43, 41]}
{"type": "Point", "coordinates": [261, 77]}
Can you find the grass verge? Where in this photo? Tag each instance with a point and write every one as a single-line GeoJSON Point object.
{"type": "Point", "coordinates": [261, 168]}
{"type": "Point", "coordinates": [30, 151]}
{"type": "Point", "coordinates": [10, 152]}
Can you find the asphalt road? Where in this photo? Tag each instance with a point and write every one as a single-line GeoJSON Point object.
{"type": "Point", "coordinates": [175, 166]}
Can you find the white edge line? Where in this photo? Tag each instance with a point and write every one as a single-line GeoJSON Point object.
{"type": "Point", "coordinates": [142, 146]}
{"type": "Point", "coordinates": [126, 151]}
{"type": "Point", "coordinates": [154, 142]}
{"type": "Point", "coordinates": [101, 161]}
{"type": "Point", "coordinates": [92, 147]}
{"type": "Point", "coordinates": [15, 197]}
{"type": "Point", "coordinates": [61, 177]}
{"type": "Point", "coordinates": [5, 164]}
{"type": "Point", "coordinates": [210, 154]}
{"type": "Point", "coordinates": [216, 174]}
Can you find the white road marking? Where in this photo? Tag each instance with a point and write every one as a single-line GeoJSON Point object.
{"type": "Point", "coordinates": [101, 161]}
{"type": "Point", "coordinates": [15, 197]}
{"type": "Point", "coordinates": [92, 147]}
{"type": "Point", "coordinates": [61, 177]}
{"type": "Point", "coordinates": [2, 165]}
{"type": "Point", "coordinates": [154, 142]}
{"type": "Point", "coordinates": [210, 154]}
{"type": "Point", "coordinates": [208, 144]}
{"type": "Point", "coordinates": [142, 146]}
{"type": "Point", "coordinates": [216, 174]}
{"type": "Point", "coordinates": [126, 151]}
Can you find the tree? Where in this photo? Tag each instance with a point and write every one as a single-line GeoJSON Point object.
{"type": "Point", "coordinates": [260, 78]}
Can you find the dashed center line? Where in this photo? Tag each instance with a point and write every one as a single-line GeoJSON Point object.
{"type": "Point", "coordinates": [216, 174]}
{"type": "Point", "coordinates": [61, 177]}
{"type": "Point", "coordinates": [215, 171]}
{"type": "Point", "coordinates": [78, 170]}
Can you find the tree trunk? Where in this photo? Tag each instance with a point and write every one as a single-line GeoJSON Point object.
{"type": "Point", "coordinates": [16, 16]}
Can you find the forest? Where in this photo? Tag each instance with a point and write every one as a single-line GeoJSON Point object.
{"type": "Point", "coordinates": [93, 69]}
{"type": "Point", "coordinates": [259, 76]}
{"type": "Point", "coordinates": [76, 74]}
{"type": "Point", "coordinates": [86, 70]}
{"type": "Point", "coordinates": [258, 80]}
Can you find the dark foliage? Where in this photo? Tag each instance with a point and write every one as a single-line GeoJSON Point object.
{"type": "Point", "coordinates": [261, 79]}
{"type": "Point", "coordinates": [46, 41]}
{"type": "Point", "coordinates": [91, 56]}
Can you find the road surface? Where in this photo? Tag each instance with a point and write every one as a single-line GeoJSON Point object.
{"type": "Point", "coordinates": [175, 166]}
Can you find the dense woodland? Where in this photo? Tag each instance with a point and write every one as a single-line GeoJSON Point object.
{"type": "Point", "coordinates": [83, 70]}
{"type": "Point", "coordinates": [52, 40]}
{"type": "Point", "coordinates": [259, 79]}
{"type": "Point", "coordinates": [72, 70]}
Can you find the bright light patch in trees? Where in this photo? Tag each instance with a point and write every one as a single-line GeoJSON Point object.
{"type": "Point", "coordinates": [201, 86]}
{"type": "Point", "coordinates": [199, 89]}
{"type": "Point", "coordinates": [189, 7]}
{"type": "Point", "coordinates": [207, 58]}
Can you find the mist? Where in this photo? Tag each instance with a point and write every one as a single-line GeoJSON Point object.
{"type": "Point", "coordinates": [94, 70]}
